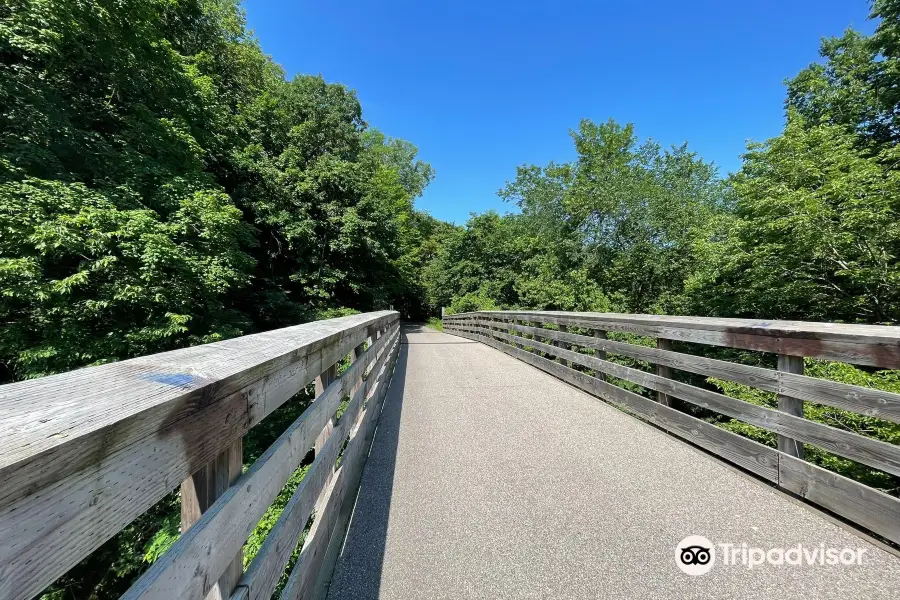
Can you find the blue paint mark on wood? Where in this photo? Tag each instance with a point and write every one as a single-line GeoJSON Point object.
{"type": "Point", "coordinates": [173, 379]}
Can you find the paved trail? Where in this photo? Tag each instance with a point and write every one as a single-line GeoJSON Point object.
{"type": "Point", "coordinates": [491, 479]}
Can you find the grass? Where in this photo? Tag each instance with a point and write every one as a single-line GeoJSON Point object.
{"type": "Point", "coordinates": [435, 323]}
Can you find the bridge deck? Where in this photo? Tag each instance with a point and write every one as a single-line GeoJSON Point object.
{"type": "Point", "coordinates": [491, 479]}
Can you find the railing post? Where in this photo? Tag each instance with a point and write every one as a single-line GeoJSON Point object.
{"type": "Point", "coordinates": [497, 326]}
{"type": "Point", "coordinates": [792, 406]}
{"type": "Point", "coordinates": [322, 383]}
{"type": "Point", "coordinates": [663, 371]}
{"type": "Point", "coordinates": [600, 334]}
{"type": "Point", "coordinates": [510, 331]}
{"type": "Point", "coordinates": [564, 345]}
{"type": "Point", "coordinates": [199, 491]}
{"type": "Point", "coordinates": [357, 352]}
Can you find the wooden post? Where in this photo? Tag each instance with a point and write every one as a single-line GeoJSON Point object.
{"type": "Point", "coordinates": [322, 382]}
{"type": "Point", "coordinates": [543, 339]}
{"type": "Point", "coordinates": [199, 492]}
{"type": "Point", "coordinates": [793, 406]}
{"type": "Point", "coordinates": [357, 352]}
{"type": "Point", "coordinates": [662, 371]}
{"type": "Point", "coordinates": [601, 354]}
{"type": "Point", "coordinates": [511, 331]}
{"type": "Point", "coordinates": [564, 345]}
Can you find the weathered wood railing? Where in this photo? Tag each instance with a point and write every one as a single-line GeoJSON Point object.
{"type": "Point", "coordinates": [524, 335]}
{"type": "Point", "coordinates": [84, 453]}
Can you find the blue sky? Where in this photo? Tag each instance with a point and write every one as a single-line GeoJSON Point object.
{"type": "Point", "coordinates": [483, 86]}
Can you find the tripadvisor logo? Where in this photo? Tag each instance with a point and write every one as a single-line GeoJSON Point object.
{"type": "Point", "coordinates": [696, 555]}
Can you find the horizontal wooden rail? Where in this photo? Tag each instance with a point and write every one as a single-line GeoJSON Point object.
{"type": "Point", "coordinates": [313, 566]}
{"type": "Point", "coordinates": [872, 345]}
{"type": "Point", "coordinates": [188, 568]}
{"type": "Point", "coordinates": [868, 507]}
{"type": "Point", "coordinates": [867, 401]}
{"type": "Point", "coordinates": [358, 422]}
{"type": "Point", "coordinates": [874, 453]}
{"type": "Point", "coordinates": [88, 451]}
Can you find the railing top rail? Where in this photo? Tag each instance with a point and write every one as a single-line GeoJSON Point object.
{"type": "Point", "coordinates": [805, 329]}
{"type": "Point", "coordinates": [874, 345]}
{"type": "Point", "coordinates": [124, 401]}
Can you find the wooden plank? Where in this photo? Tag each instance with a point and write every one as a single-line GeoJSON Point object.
{"type": "Point", "coordinates": [823, 330]}
{"type": "Point", "coordinates": [866, 401]}
{"type": "Point", "coordinates": [308, 568]}
{"type": "Point", "coordinates": [664, 372]}
{"type": "Point", "coordinates": [356, 457]}
{"type": "Point", "coordinates": [358, 352]}
{"type": "Point", "coordinates": [199, 492]}
{"type": "Point", "coordinates": [874, 345]}
{"type": "Point", "coordinates": [263, 574]}
{"type": "Point", "coordinates": [202, 553]}
{"type": "Point", "coordinates": [861, 504]}
{"type": "Point", "coordinates": [51, 517]}
{"type": "Point", "coordinates": [27, 462]}
{"type": "Point", "coordinates": [789, 405]}
{"type": "Point", "coordinates": [312, 565]}
{"type": "Point", "coordinates": [872, 452]}
{"type": "Point", "coordinates": [741, 451]}
{"type": "Point", "coordinates": [72, 417]}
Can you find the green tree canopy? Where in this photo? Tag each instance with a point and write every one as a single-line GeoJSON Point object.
{"type": "Point", "coordinates": [162, 185]}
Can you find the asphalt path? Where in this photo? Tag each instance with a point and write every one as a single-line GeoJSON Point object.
{"type": "Point", "coordinates": [491, 479]}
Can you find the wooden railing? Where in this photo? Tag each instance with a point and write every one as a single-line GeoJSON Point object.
{"type": "Point", "coordinates": [525, 335]}
{"type": "Point", "coordinates": [85, 453]}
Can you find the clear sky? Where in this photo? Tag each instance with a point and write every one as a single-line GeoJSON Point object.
{"type": "Point", "coordinates": [483, 86]}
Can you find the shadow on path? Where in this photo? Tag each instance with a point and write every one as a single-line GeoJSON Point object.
{"type": "Point", "coordinates": [357, 573]}
{"type": "Point", "coordinates": [420, 328]}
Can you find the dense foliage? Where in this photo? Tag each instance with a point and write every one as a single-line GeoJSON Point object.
{"type": "Point", "coordinates": [614, 229]}
{"type": "Point", "coordinates": [162, 185]}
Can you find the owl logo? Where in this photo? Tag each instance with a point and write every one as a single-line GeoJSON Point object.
{"type": "Point", "coordinates": [695, 555]}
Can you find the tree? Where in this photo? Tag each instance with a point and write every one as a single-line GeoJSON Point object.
{"type": "Point", "coordinates": [117, 241]}
{"type": "Point", "coordinates": [326, 203]}
{"type": "Point", "coordinates": [858, 85]}
{"type": "Point", "coordinates": [479, 259]}
{"type": "Point", "coordinates": [162, 185]}
{"type": "Point", "coordinates": [815, 235]}
{"type": "Point", "coordinates": [624, 215]}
